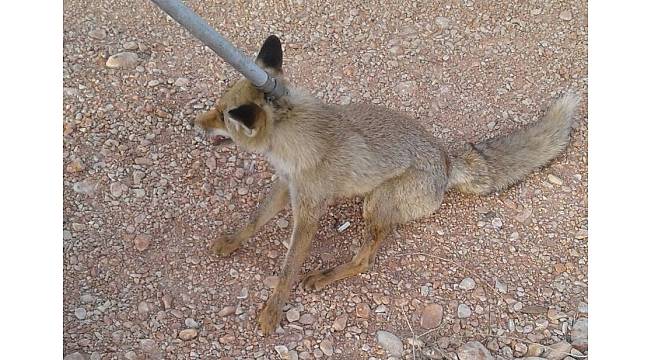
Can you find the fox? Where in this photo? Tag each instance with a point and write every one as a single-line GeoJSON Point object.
{"type": "Point", "coordinates": [323, 152]}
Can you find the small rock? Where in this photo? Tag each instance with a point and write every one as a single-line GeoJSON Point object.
{"type": "Point", "coordinates": [497, 223]}
{"type": "Point", "coordinates": [116, 189]}
{"type": "Point", "coordinates": [464, 311]}
{"type": "Point", "coordinates": [148, 346]}
{"type": "Point", "coordinates": [307, 319]}
{"type": "Point", "coordinates": [442, 22]}
{"type": "Point", "coordinates": [227, 339]}
{"type": "Point", "coordinates": [143, 307]}
{"type": "Point", "coordinates": [191, 323]}
{"type": "Point", "coordinates": [558, 351]}
{"type": "Point", "coordinates": [74, 356]}
{"type": "Point", "coordinates": [142, 242]}
{"type": "Point", "coordinates": [534, 309]}
{"type": "Point", "coordinates": [182, 82]}
{"type": "Point", "coordinates": [167, 301]}
{"type": "Point", "coordinates": [524, 215]}
{"type": "Point", "coordinates": [555, 180]}
{"type": "Point", "coordinates": [362, 310]}
{"type": "Point", "coordinates": [467, 284]}
{"type": "Point", "coordinates": [535, 349]}
{"type": "Point", "coordinates": [130, 45]}
{"type": "Point", "coordinates": [282, 223]}
{"type": "Point", "coordinates": [188, 334]}
{"type": "Point", "coordinates": [579, 334]}
{"type": "Point", "coordinates": [327, 347]}
{"type": "Point", "coordinates": [431, 316]}
{"type": "Point", "coordinates": [211, 163]}
{"type": "Point", "coordinates": [390, 343]}
{"type": "Point", "coordinates": [340, 322]}
{"type": "Point", "coordinates": [343, 226]}
{"type": "Point", "coordinates": [99, 34]}
{"type": "Point", "coordinates": [122, 60]}
{"type": "Point", "coordinates": [87, 299]}
{"type": "Point", "coordinates": [474, 350]}
{"type": "Point", "coordinates": [226, 311]}
{"type": "Point", "coordinates": [84, 187]}
{"type": "Point", "coordinates": [566, 15]}
{"type": "Point", "coordinates": [80, 313]}
{"type": "Point", "coordinates": [500, 286]}
{"type": "Point", "coordinates": [153, 83]}
{"type": "Point", "coordinates": [293, 314]}
{"type": "Point", "coordinates": [518, 306]}
{"type": "Point", "coordinates": [283, 351]}
{"type": "Point", "coordinates": [75, 166]}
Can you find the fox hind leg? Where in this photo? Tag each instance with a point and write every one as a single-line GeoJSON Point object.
{"type": "Point", "coordinates": [414, 194]}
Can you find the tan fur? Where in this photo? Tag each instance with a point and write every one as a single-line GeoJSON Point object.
{"type": "Point", "coordinates": [323, 152]}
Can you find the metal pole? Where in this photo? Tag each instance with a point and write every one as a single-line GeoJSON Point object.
{"type": "Point", "coordinates": [201, 30]}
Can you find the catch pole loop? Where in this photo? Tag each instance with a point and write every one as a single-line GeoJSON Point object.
{"type": "Point", "coordinates": [200, 29]}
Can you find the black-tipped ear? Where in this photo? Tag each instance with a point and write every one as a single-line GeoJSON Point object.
{"type": "Point", "coordinates": [245, 114]}
{"type": "Point", "coordinates": [270, 54]}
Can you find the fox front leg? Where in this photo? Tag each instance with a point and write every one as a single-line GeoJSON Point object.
{"type": "Point", "coordinates": [306, 213]}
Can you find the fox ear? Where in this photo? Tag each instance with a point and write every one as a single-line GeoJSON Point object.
{"type": "Point", "coordinates": [249, 116]}
{"type": "Point", "coordinates": [270, 55]}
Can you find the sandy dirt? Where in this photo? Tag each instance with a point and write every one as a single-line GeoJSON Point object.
{"type": "Point", "coordinates": [144, 194]}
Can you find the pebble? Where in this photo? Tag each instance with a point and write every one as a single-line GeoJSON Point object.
{"type": "Point", "coordinates": [343, 226]}
{"type": "Point", "coordinates": [467, 284]}
{"type": "Point", "coordinates": [87, 299]}
{"type": "Point", "coordinates": [84, 187]}
{"type": "Point", "coordinates": [362, 310]}
{"type": "Point", "coordinates": [142, 242]}
{"type": "Point", "coordinates": [497, 223]}
{"type": "Point", "coordinates": [75, 166]}
{"type": "Point", "coordinates": [535, 349]}
{"type": "Point", "coordinates": [390, 343]}
{"type": "Point", "coordinates": [148, 346]}
{"type": "Point", "coordinates": [182, 82]}
{"type": "Point", "coordinates": [293, 315]}
{"type": "Point", "coordinates": [473, 350]}
{"type": "Point", "coordinates": [99, 34]}
{"type": "Point", "coordinates": [555, 180]}
{"type": "Point", "coordinates": [500, 286]}
{"type": "Point", "coordinates": [327, 347]}
{"type": "Point", "coordinates": [282, 223]}
{"type": "Point", "coordinates": [188, 334]}
{"type": "Point", "coordinates": [340, 322]}
{"type": "Point", "coordinates": [122, 60]}
{"type": "Point", "coordinates": [191, 323]}
{"type": "Point", "coordinates": [226, 311]}
{"type": "Point", "coordinates": [307, 319]}
{"type": "Point", "coordinates": [431, 316]}
{"type": "Point", "coordinates": [80, 313]}
{"type": "Point", "coordinates": [153, 83]}
{"type": "Point", "coordinates": [130, 45]}
{"type": "Point", "coordinates": [464, 311]}
{"type": "Point", "coordinates": [227, 339]}
{"type": "Point", "coordinates": [283, 351]}
{"type": "Point", "coordinates": [442, 22]}
{"type": "Point", "coordinates": [566, 15]}
{"type": "Point", "coordinates": [116, 189]}
{"type": "Point", "coordinates": [579, 334]}
{"type": "Point", "coordinates": [167, 301]}
{"type": "Point", "coordinates": [74, 356]}
{"type": "Point", "coordinates": [558, 351]}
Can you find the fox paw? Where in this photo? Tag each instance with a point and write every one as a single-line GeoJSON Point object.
{"type": "Point", "coordinates": [315, 280]}
{"type": "Point", "coordinates": [270, 317]}
{"type": "Point", "coordinates": [224, 246]}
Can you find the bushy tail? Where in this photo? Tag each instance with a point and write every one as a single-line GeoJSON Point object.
{"type": "Point", "coordinates": [497, 163]}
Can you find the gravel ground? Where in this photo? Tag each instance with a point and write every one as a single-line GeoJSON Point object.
{"type": "Point", "coordinates": [486, 277]}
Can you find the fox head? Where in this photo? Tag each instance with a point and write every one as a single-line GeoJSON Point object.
{"type": "Point", "coordinates": [243, 114]}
